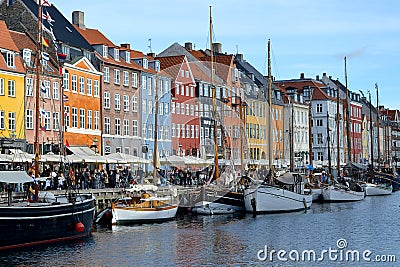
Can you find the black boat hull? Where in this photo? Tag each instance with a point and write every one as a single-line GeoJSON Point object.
{"type": "Point", "coordinates": [34, 225]}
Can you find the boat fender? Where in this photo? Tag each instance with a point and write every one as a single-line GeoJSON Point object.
{"type": "Point", "coordinates": [305, 203]}
{"type": "Point", "coordinates": [79, 227]}
{"type": "Point", "coordinates": [254, 205]}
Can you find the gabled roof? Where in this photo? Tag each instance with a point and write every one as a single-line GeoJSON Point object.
{"type": "Point", "coordinates": [63, 30]}
{"type": "Point", "coordinates": [94, 37]}
{"type": "Point", "coordinates": [199, 69]}
{"type": "Point", "coordinates": [171, 64]}
{"type": "Point", "coordinates": [6, 42]}
{"type": "Point", "coordinates": [246, 67]}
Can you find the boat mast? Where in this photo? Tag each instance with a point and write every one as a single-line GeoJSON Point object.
{"type": "Point", "coordinates": [270, 141]}
{"type": "Point", "coordinates": [155, 153]}
{"type": "Point", "coordinates": [329, 145]}
{"type": "Point", "coordinates": [378, 124]}
{"type": "Point", "coordinates": [37, 92]}
{"type": "Point", "coordinates": [291, 137]}
{"type": "Point", "coordinates": [310, 139]}
{"type": "Point", "coordinates": [338, 130]}
{"type": "Point", "coordinates": [348, 125]}
{"type": "Point", "coordinates": [371, 129]}
{"type": "Point", "coordinates": [242, 122]}
{"type": "Point", "coordinates": [214, 101]}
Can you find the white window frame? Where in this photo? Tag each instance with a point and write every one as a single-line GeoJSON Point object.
{"type": "Point", "coordinates": [56, 121]}
{"type": "Point", "coordinates": [134, 104]}
{"type": "Point", "coordinates": [96, 88]}
{"type": "Point", "coordinates": [89, 86]}
{"type": "Point", "coordinates": [82, 118]}
{"type": "Point", "coordinates": [96, 119]}
{"type": "Point", "coordinates": [56, 90]}
{"type": "Point", "coordinates": [74, 84]}
{"type": "Point", "coordinates": [107, 125]}
{"type": "Point", "coordinates": [11, 88]}
{"type": "Point", "coordinates": [107, 100]}
{"type": "Point", "coordinates": [117, 126]}
{"type": "Point", "coordinates": [135, 128]}
{"type": "Point", "coordinates": [134, 80]}
{"type": "Point", "coordinates": [126, 78]}
{"type": "Point", "coordinates": [29, 119]}
{"type": "Point", "coordinates": [126, 102]}
{"type": "Point", "coordinates": [106, 74]}
{"type": "Point", "coordinates": [117, 76]}
{"type": "Point", "coordinates": [28, 86]}
{"type": "Point", "coordinates": [81, 85]}
{"type": "Point", "coordinates": [89, 119]}
{"type": "Point", "coordinates": [126, 127]}
{"type": "Point", "coordinates": [117, 102]}
{"type": "Point", "coordinates": [74, 117]}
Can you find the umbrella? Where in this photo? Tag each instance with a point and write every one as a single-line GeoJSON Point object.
{"type": "Point", "coordinates": [172, 161]}
{"type": "Point", "coordinates": [124, 158]}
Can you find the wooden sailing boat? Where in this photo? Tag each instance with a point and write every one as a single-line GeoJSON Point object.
{"type": "Point", "coordinates": [284, 194]}
{"type": "Point", "coordinates": [218, 200]}
{"type": "Point", "coordinates": [46, 218]}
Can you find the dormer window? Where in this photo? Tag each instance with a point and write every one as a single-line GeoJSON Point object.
{"type": "Point", "coordinates": [116, 54]}
{"type": "Point", "coordinates": [10, 60]}
{"type": "Point", "coordinates": [128, 57]}
{"type": "Point", "coordinates": [105, 51]}
{"type": "Point", "coordinates": [157, 66]}
{"type": "Point", "coordinates": [26, 54]}
{"type": "Point", "coordinates": [145, 63]}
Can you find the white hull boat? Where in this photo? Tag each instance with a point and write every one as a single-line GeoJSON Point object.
{"type": "Point", "coordinates": [316, 194]}
{"type": "Point", "coordinates": [146, 210]}
{"type": "Point", "coordinates": [340, 194]}
{"type": "Point", "coordinates": [212, 208]}
{"type": "Point", "coordinates": [378, 189]}
{"type": "Point", "coordinates": [271, 199]}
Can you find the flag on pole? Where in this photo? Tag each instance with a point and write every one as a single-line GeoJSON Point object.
{"type": "Point", "coordinates": [43, 88]}
{"type": "Point", "coordinates": [66, 143]}
{"type": "Point", "coordinates": [45, 3]}
{"type": "Point", "coordinates": [61, 56]}
{"type": "Point", "coordinates": [43, 112]}
{"type": "Point", "coordinates": [43, 128]}
{"type": "Point", "coordinates": [47, 17]}
{"type": "Point", "coordinates": [45, 56]}
{"type": "Point", "coordinates": [63, 71]}
{"type": "Point", "coordinates": [45, 42]}
{"type": "Point", "coordinates": [49, 31]}
{"type": "Point", "coordinates": [65, 98]}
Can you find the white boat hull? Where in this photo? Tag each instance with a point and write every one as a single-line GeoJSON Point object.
{"type": "Point", "coordinates": [126, 215]}
{"type": "Point", "coordinates": [212, 208]}
{"type": "Point", "coordinates": [271, 199]}
{"type": "Point", "coordinates": [337, 194]}
{"type": "Point", "coordinates": [378, 189]}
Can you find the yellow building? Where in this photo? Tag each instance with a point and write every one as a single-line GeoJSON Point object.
{"type": "Point", "coordinates": [12, 75]}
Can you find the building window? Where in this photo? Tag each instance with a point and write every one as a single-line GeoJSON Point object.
{"type": "Point", "coordinates": [11, 121]}
{"type": "Point", "coordinates": [89, 86]}
{"type": "Point", "coordinates": [319, 108]}
{"type": "Point", "coordinates": [150, 106]}
{"type": "Point", "coordinates": [96, 88]}
{"type": "Point", "coordinates": [166, 108]}
{"type": "Point", "coordinates": [144, 82]}
{"type": "Point", "coordinates": [89, 119]}
{"type": "Point", "coordinates": [29, 119]}
{"type": "Point", "coordinates": [105, 51]}
{"type": "Point", "coordinates": [319, 122]}
{"type": "Point", "coordinates": [106, 125]}
{"type": "Point", "coordinates": [173, 107]}
{"type": "Point", "coordinates": [134, 103]}
{"type": "Point", "coordinates": [117, 78]}
{"type": "Point", "coordinates": [26, 54]}
{"type": "Point", "coordinates": [56, 121]}
{"type": "Point", "coordinates": [117, 102]}
{"type": "Point", "coordinates": [107, 100]}
{"type": "Point", "coordinates": [144, 130]}
{"type": "Point", "coordinates": [29, 86]}
{"type": "Point", "coordinates": [320, 156]}
{"type": "Point", "coordinates": [145, 63]}
{"type": "Point", "coordinates": [144, 106]}
{"type": "Point", "coordinates": [161, 108]}
{"type": "Point", "coordinates": [11, 88]}
{"type": "Point", "coordinates": [81, 85]}
{"type": "Point", "coordinates": [319, 139]}
{"type": "Point", "coordinates": [126, 127]}
{"type": "Point", "coordinates": [10, 60]}
{"type": "Point", "coordinates": [134, 80]}
{"type": "Point", "coordinates": [82, 118]}
{"type": "Point", "coordinates": [149, 86]}
{"type": "Point", "coordinates": [56, 90]}
{"type": "Point", "coordinates": [74, 81]}
{"type": "Point", "coordinates": [116, 54]}
{"type": "Point", "coordinates": [66, 81]}
{"type": "Point", "coordinates": [74, 117]}
{"type": "Point", "coordinates": [2, 122]}
{"type": "Point", "coordinates": [66, 117]}
{"type": "Point", "coordinates": [126, 103]}
{"type": "Point", "coordinates": [47, 120]}
{"type": "Point", "coordinates": [106, 74]}
{"type": "Point", "coordinates": [118, 126]}
{"type": "Point", "coordinates": [96, 120]}
{"type": "Point", "coordinates": [126, 78]}
{"type": "Point", "coordinates": [135, 128]}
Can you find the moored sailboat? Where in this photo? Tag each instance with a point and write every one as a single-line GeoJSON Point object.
{"type": "Point", "coordinates": [44, 217]}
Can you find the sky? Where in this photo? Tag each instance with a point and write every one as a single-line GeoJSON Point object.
{"type": "Point", "coordinates": [307, 36]}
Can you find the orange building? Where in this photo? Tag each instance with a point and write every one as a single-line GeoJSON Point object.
{"type": "Point", "coordinates": [82, 111]}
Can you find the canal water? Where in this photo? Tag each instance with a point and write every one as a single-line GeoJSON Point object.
{"type": "Point", "coordinates": [369, 229]}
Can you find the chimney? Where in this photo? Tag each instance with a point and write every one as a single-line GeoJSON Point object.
{"type": "Point", "coordinates": [302, 75]}
{"type": "Point", "coordinates": [324, 74]}
{"type": "Point", "coordinates": [152, 54]}
{"type": "Point", "coordinates": [217, 47]}
{"type": "Point", "coordinates": [317, 77]}
{"type": "Point", "coordinates": [127, 46]}
{"type": "Point", "coordinates": [188, 46]}
{"type": "Point", "coordinates": [78, 19]}
{"type": "Point", "coordinates": [239, 57]}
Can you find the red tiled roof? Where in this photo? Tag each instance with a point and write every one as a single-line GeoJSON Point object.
{"type": "Point", "coordinates": [171, 64]}
{"type": "Point", "coordinates": [6, 41]}
{"type": "Point", "coordinates": [94, 37]}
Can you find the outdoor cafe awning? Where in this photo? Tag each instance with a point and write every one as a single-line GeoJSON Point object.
{"type": "Point", "coordinates": [14, 177]}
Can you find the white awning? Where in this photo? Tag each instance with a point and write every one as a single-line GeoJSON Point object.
{"type": "Point", "coordinates": [15, 177]}
{"type": "Point", "coordinates": [81, 151]}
